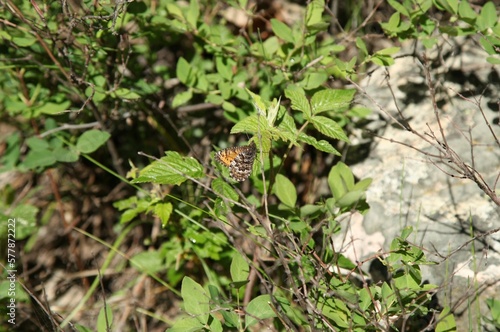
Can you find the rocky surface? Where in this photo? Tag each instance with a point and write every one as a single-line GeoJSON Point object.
{"type": "Point", "coordinates": [409, 187]}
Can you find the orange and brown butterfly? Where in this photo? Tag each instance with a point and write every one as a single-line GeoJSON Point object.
{"type": "Point", "coordinates": [239, 160]}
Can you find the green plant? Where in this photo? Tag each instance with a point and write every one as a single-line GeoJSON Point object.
{"type": "Point", "coordinates": [247, 256]}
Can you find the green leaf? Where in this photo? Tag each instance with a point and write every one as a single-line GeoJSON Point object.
{"type": "Point", "coordinates": [258, 309]}
{"type": "Point", "coordinates": [163, 211]}
{"type": "Point", "coordinates": [331, 99]}
{"type": "Point", "coordinates": [225, 66]}
{"type": "Point", "coordinates": [185, 72]}
{"type": "Point", "coordinates": [388, 297]}
{"type": "Point", "coordinates": [214, 99]}
{"type": "Point", "coordinates": [65, 155]}
{"type": "Point", "coordinates": [257, 125]}
{"type": "Point", "coordinates": [25, 220]}
{"type": "Point", "coordinates": [196, 300]}
{"type": "Point", "coordinates": [182, 98]}
{"type": "Point", "coordinates": [335, 310]}
{"type": "Point", "coordinates": [487, 17]}
{"type": "Point", "coordinates": [382, 60]}
{"type": "Point", "coordinates": [105, 319]}
{"type": "Point", "coordinates": [257, 101]}
{"type": "Point", "coordinates": [148, 262]}
{"type": "Point", "coordinates": [192, 14]}
{"type": "Point", "coordinates": [399, 7]}
{"type": "Point", "coordinates": [321, 145]}
{"type": "Point", "coordinates": [239, 268]}
{"type": "Point", "coordinates": [465, 11]}
{"type": "Point", "coordinates": [363, 184]}
{"type": "Point", "coordinates": [175, 11]}
{"type": "Point", "coordinates": [329, 127]}
{"type": "Point", "coordinates": [351, 198]}
{"type": "Point", "coordinates": [494, 306]}
{"type": "Point", "coordinates": [392, 27]}
{"type": "Point", "coordinates": [446, 321]}
{"type": "Point", "coordinates": [313, 80]}
{"type": "Point", "coordinates": [53, 108]}
{"type": "Point", "coordinates": [493, 60]}
{"type": "Point", "coordinates": [282, 30]}
{"type": "Point", "coordinates": [36, 143]}
{"type": "Point", "coordinates": [299, 101]}
{"type": "Point", "coordinates": [171, 169]}
{"type": "Point", "coordinates": [361, 46]}
{"type": "Point", "coordinates": [448, 5]}
{"type": "Point", "coordinates": [314, 12]}
{"type": "Point", "coordinates": [24, 41]}
{"type": "Point", "coordinates": [272, 112]}
{"type": "Point", "coordinates": [12, 153]}
{"type": "Point", "coordinates": [340, 180]}
{"type": "Point", "coordinates": [39, 158]}
{"type": "Point", "coordinates": [91, 140]}
{"type": "Point", "coordinates": [388, 51]}
{"type": "Point", "coordinates": [187, 324]}
{"type": "Point", "coordinates": [224, 189]}
{"type": "Point", "coordinates": [125, 93]}
{"type": "Point", "coordinates": [286, 191]}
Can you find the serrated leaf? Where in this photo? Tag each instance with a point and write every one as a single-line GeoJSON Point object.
{"type": "Point", "coordinates": [256, 125]}
{"type": "Point", "coordinates": [91, 140]}
{"type": "Point", "coordinates": [329, 127]}
{"type": "Point", "coordinates": [299, 101]}
{"type": "Point", "coordinates": [321, 145]}
{"type": "Point", "coordinates": [257, 102]}
{"type": "Point", "coordinates": [171, 169]}
{"type": "Point", "coordinates": [331, 99]}
{"type": "Point", "coordinates": [163, 211]}
{"type": "Point", "coordinates": [224, 189]}
{"type": "Point", "coordinates": [286, 191]}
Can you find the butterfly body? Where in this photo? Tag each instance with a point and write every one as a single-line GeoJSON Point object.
{"type": "Point", "coordinates": [239, 160]}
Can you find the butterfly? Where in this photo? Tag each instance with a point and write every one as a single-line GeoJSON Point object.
{"type": "Point", "coordinates": [239, 160]}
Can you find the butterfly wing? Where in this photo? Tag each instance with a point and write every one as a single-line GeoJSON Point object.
{"type": "Point", "coordinates": [239, 160]}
